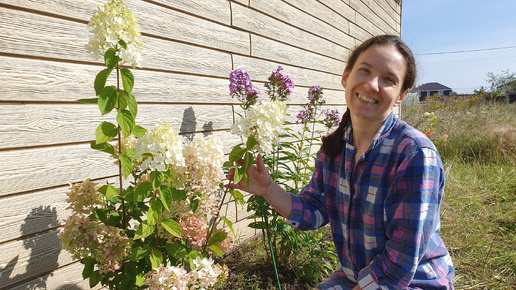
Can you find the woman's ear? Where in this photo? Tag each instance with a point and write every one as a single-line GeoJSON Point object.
{"type": "Point", "coordinates": [344, 79]}
{"type": "Point", "coordinates": [401, 97]}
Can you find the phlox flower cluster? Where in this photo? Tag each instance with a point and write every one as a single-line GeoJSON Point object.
{"type": "Point", "coordinates": [84, 237]}
{"type": "Point", "coordinates": [263, 121]}
{"type": "Point", "coordinates": [240, 85]}
{"type": "Point", "coordinates": [160, 148]}
{"type": "Point", "coordinates": [206, 274]}
{"type": "Point", "coordinates": [84, 197]}
{"type": "Point", "coordinates": [331, 119]}
{"type": "Point", "coordinates": [111, 23]}
{"type": "Point", "coordinates": [315, 101]}
{"type": "Point", "coordinates": [280, 86]}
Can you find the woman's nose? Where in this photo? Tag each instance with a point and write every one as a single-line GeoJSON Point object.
{"type": "Point", "coordinates": [372, 84]}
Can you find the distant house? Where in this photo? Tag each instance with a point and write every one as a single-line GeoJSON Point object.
{"type": "Point", "coordinates": [430, 89]}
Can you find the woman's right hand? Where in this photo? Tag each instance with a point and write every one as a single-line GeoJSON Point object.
{"type": "Point", "coordinates": [259, 179]}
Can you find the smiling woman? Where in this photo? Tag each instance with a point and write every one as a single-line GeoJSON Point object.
{"type": "Point", "coordinates": [377, 181]}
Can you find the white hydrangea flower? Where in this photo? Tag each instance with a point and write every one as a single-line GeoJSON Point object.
{"type": "Point", "coordinates": [263, 121]}
{"type": "Point", "coordinates": [164, 146]}
{"type": "Point", "coordinates": [204, 158]}
{"type": "Point", "coordinates": [111, 23]}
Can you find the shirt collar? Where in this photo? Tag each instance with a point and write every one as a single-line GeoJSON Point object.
{"type": "Point", "coordinates": [382, 133]}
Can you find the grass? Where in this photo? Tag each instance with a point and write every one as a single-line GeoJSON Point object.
{"type": "Point", "coordinates": [478, 213]}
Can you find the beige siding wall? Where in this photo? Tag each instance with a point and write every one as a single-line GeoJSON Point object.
{"type": "Point", "coordinates": [191, 46]}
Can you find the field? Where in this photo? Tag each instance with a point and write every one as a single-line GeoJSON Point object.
{"type": "Point", "coordinates": [477, 142]}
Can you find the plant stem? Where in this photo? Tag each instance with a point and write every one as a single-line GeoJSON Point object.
{"type": "Point", "coordinates": [212, 226]}
{"type": "Point", "coordinates": [120, 175]}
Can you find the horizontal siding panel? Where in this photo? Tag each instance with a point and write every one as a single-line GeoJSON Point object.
{"type": "Point", "coordinates": [30, 80]}
{"type": "Point", "coordinates": [32, 169]}
{"type": "Point", "coordinates": [261, 69]}
{"type": "Point", "coordinates": [328, 14]}
{"type": "Point", "coordinates": [263, 25]}
{"type": "Point", "coordinates": [293, 16]}
{"type": "Point", "coordinates": [31, 257]}
{"type": "Point", "coordinates": [162, 20]}
{"type": "Point", "coordinates": [276, 51]}
{"type": "Point", "coordinates": [40, 124]}
{"type": "Point", "coordinates": [342, 7]}
{"type": "Point", "coordinates": [68, 277]}
{"type": "Point", "coordinates": [42, 36]}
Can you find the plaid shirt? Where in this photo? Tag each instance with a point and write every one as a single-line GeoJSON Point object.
{"type": "Point", "coordinates": [383, 211]}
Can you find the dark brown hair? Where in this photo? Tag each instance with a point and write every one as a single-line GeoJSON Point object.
{"type": "Point", "coordinates": [332, 144]}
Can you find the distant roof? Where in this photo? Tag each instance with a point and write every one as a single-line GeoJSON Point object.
{"type": "Point", "coordinates": [432, 87]}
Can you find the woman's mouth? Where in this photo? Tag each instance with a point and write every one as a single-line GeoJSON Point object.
{"type": "Point", "coordinates": [367, 100]}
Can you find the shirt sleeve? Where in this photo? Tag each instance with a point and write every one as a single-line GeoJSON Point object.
{"type": "Point", "coordinates": [308, 208]}
{"type": "Point", "coordinates": [411, 218]}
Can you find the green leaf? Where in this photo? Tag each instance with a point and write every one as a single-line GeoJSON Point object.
{"type": "Point", "coordinates": [194, 204]}
{"type": "Point", "coordinates": [140, 280]}
{"type": "Point", "coordinates": [101, 215]}
{"type": "Point", "coordinates": [155, 212]}
{"type": "Point", "coordinates": [108, 191]}
{"type": "Point", "coordinates": [123, 100]}
{"type": "Point", "coordinates": [139, 131]}
{"type": "Point", "coordinates": [138, 253]}
{"type": "Point", "coordinates": [176, 250]}
{"type": "Point", "coordinates": [238, 175]}
{"type": "Point", "coordinates": [110, 58]}
{"type": "Point", "coordinates": [94, 279]}
{"type": "Point", "coordinates": [166, 196]}
{"type": "Point", "coordinates": [156, 258]}
{"type": "Point", "coordinates": [142, 191]}
{"type": "Point", "coordinates": [100, 80]}
{"type": "Point", "coordinates": [156, 178]}
{"type": "Point", "coordinates": [122, 44]}
{"type": "Point", "coordinates": [193, 255]}
{"type": "Point", "coordinates": [127, 165]}
{"type": "Point", "coordinates": [89, 265]}
{"type": "Point", "coordinates": [177, 194]}
{"type": "Point", "coordinates": [229, 223]}
{"type": "Point", "coordinates": [88, 101]}
{"type": "Point", "coordinates": [143, 231]}
{"type": "Point", "coordinates": [257, 225]}
{"type": "Point", "coordinates": [127, 79]}
{"type": "Point", "coordinates": [105, 132]}
{"type": "Point", "coordinates": [126, 121]}
{"type": "Point", "coordinates": [217, 238]}
{"type": "Point", "coordinates": [236, 153]}
{"type": "Point", "coordinates": [238, 196]}
{"type": "Point", "coordinates": [216, 250]}
{"type": "Point", "coordinates": [104, 147]}
{"type": "Point", "coordinates": [251, 142]}
{"type": "Point", "coordinates": [172, 227]}
{"type": "Point", "coordinates": [133, 105]}
{"type": "Point", "coordinates": [108, 98]}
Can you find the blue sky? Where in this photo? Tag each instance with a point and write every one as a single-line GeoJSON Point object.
{"type": "Point", "coordinates": [435, 26]}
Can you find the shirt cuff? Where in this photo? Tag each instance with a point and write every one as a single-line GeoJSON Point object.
{"type": "Point", "coordinates": [297, 214]}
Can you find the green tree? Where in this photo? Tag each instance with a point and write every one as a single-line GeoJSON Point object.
{"type": "Point", "coordinates": [503, 83]}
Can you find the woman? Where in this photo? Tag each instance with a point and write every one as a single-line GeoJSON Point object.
{"type": "Point", "coordinates": [377, 181]}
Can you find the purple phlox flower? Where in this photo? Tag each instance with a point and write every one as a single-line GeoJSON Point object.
{"type": "Point", "coordinates": [280, 86]}
{"type": "Point", "coordinates": [332, 118]}
{"type": "Point", "coordinates": [307, 114]}
{"type": "Point", "coordinates": [315, 96]}
{"type": "Point", "coordinates": [240, 85]}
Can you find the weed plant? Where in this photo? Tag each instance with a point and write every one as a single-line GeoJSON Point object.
{"type": "Point", "coordinates": [478, 213]}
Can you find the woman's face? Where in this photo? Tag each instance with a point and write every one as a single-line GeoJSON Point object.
{"type": "Point", "coordinates": [373, 86]}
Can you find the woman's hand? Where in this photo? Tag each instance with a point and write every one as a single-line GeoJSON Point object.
{"type": "Point", "coordinates": [259, 179]}
{"type": "Point", "coordinates": [260, 183]}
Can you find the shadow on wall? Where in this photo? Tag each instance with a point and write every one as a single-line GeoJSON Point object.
{"type": "Point", "coordinates": [31, 270]}
{"type": "Point", "coordinates": [189, 124]}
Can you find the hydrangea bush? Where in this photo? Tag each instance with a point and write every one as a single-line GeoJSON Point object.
{"type": "Point", "coordinates": [152, 230]}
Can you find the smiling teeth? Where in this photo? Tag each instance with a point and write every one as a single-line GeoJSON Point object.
{"type": "Point", "coordinates": [366, 99]}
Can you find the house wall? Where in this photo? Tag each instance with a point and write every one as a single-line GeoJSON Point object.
{"type": "Point", "coordinates": [190, 47]}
